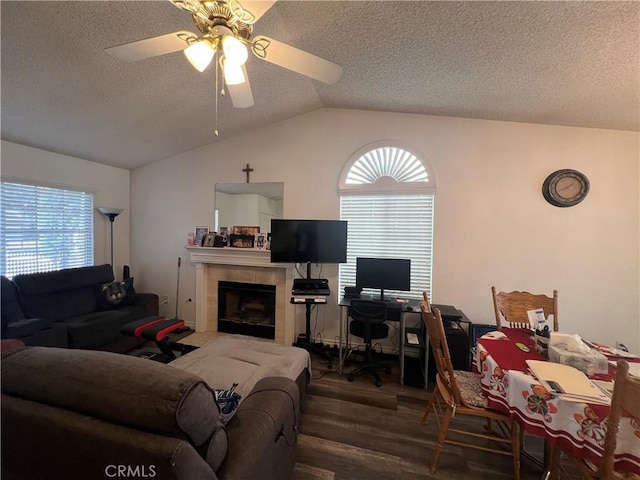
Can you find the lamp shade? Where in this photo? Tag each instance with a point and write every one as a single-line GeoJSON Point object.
{"type": "Point", "coordinates": [200, 54]}
{"type": "Point", "coordinates": [110, 213]}
{"type": "Point", "coordinates": [234, 50]}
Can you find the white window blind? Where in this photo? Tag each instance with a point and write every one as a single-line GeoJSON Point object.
{"type": "Point", "coordinates": [44, 229]}
{"type": "Point", "coordinates": [389, 226]}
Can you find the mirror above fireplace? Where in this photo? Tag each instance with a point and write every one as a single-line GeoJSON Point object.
{"type": "Point", "coordinates": [248, 204]}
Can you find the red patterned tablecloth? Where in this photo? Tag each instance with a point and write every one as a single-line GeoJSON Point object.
{"type": "Point", "coordinates": [577, 427]}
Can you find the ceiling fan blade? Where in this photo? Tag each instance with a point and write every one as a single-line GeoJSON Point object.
{"type": "Point", "coordinates": [151, 47]}
{"type": "Point", "coordinates": [191, 6]}
{"type": "Point", "coordinates": [256, 8]}
{"type": "Point", "coordinates": [241, 95]}
{"type": "Point", "coordinates": [296, 60]}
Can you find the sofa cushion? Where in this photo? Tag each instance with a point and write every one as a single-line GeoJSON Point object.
{"type": "Point", "coordinates": [95, 329]}
{"type": "Point", "coordinates": [122, 389]}
{"type": "Point", "coordinates": [26, 327]}
{"type": "Point", "coordinates": [63, 293]}
{"type": "Point", "coordinates": [54, 335]}
{"type": "Point", "coordinates": [217, 448]}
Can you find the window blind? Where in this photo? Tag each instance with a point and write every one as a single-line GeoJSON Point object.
{"type": "Point", "coordinates": [389, 226]}
{"type": "Point", "coordinates": [44, 229]}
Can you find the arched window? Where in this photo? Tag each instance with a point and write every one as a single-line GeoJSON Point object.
{"type": "Point", "coordinates": [387, 192]}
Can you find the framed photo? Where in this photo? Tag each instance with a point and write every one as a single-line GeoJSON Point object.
{"type": "Point", "coordinates": [209, 239]}
{"type": "Point", "coordinates": [261, 241]}
{"type": "Point", "coordinates": [241, 241]}
{"type": "Point", "coordinates": [219, 241]}
{"type": "Point", "coordinates": [200, 232]}
{"type": "Point", "coordinates": [242, 230]}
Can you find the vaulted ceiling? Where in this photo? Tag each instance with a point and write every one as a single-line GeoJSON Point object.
{"type": "Point", "coordinates": [561, 63]}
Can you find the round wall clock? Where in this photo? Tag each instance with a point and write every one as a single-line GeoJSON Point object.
{"type": "Point", "coordinates": [565, 188]}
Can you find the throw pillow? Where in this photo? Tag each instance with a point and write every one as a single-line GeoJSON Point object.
{"type": "Point", "coordinates": [228, 401]}
{"type": "Point", "coordinates": [116, 294]}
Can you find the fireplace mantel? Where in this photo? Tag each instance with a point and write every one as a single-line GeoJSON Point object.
{"type": "Point", "coordinates": [205, 258]}
{"type": "Point", "coordinates": [234, 256]}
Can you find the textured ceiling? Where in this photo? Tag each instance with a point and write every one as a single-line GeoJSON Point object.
{"type": "Point", "coordinates": [562, 63]}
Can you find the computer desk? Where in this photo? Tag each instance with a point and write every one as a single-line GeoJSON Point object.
{"type": "Point", "coordinates": [394, 314]}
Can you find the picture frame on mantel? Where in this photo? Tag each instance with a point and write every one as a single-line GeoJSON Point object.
{"type": "Point", "coordinates": [241, 241]}
{"type": "Point", "coordinates": [245, 230]}
{"type": "Point", "coordinates": [200, 232]}
{"type": "Point", "coordinates": [209, 239]}
{"type": "Point", "coordinates": [260, 241]}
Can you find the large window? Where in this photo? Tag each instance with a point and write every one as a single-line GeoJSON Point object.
{"type": "Point", "coordinates": [387, 196]}
{"type": "Point", "coordinates": [44, 229]}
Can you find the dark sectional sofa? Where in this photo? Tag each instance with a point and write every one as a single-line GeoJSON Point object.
{"type": "Point", "coordinates": [90, 415]}
{"type": "Point", "coordinates": [66, 308]}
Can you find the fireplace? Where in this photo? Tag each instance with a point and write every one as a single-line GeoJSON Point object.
{"type": "Point", "coordinates": [244, 265]}
{"type": "Point", "coordinates": [247, 309]}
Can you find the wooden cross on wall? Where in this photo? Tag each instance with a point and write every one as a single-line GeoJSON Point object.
{"type": "Point", "coordinates": [248, 170]}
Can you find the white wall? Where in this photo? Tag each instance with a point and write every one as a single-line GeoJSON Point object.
{"type": "Point", "coordinates": [492, 225]}
{"type": "Point", "coordinates": [109, 185]}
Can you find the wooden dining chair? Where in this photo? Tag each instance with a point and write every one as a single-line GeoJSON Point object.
{"type": "Point", "coordinates": [513, 306]}
{"type": "Point", "coordinates": [460, 393]}
{"type": "Point", "coordinates": [626, 392]}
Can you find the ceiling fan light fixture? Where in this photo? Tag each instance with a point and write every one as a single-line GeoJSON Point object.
{"type": "Point", "coordinates": [233, 73]}
{"type": "Point", "coordinates": [200, 54]}
{"type": "Point", "coordinates": [234, 50]}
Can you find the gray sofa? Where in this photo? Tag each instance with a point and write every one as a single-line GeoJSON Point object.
{"type": "Point", "coordinates": [69, 308]}
{"type": "Point", "coordinates": [76, 414]}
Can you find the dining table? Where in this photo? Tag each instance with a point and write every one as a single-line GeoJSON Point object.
{"type": "Point", "coordinates": [578, 426]}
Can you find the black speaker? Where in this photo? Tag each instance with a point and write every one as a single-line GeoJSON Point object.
{"type": "Point", "coordinates": [352, 292]}
{"type": "Point", "coordinates": [125, 272]}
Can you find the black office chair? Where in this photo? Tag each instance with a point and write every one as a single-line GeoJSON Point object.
{"type": "Point", "coordinates": [368, 319]}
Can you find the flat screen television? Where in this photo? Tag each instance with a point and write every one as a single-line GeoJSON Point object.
{"type": "Point", "coordinates": [308, 241]}
{"type": "Point", "coordinates": [383, 273]}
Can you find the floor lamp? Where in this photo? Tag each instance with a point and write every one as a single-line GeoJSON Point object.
{"type": "Point", "coordinates": [111, 214]}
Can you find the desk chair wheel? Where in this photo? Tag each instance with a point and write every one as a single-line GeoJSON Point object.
{"type": "Point", "coordinates": [378, 383]}
{"type": "Point", "coordinates": [351, 377]}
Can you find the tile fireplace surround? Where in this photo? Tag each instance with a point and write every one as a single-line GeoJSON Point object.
{"type": "Point", "coordinates": [241, 265]}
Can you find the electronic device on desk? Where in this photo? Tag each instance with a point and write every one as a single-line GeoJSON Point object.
{"type": "Point", "coordinates": [383, 274]}
{"type": "Point", "coordinates": [457, 331]}
{"type": "Point", "coordinates": [310, 286]}
{"type": "Point", "coordinates": [352, 292]}
{"type": "Point", "coordinates": [451, 317]}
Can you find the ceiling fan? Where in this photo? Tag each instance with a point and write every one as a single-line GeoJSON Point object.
{"type": "Point", "coordinates": [225, 29]}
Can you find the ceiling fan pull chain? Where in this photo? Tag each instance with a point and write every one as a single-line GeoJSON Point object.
{"type": "Point", "coordinates": [215, 131]}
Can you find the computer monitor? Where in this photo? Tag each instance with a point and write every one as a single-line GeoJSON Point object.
{"type": "Point", "coordinates": [383, 273]}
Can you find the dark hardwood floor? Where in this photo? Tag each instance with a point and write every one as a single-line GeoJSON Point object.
{"type": "Point", "coordinates": [356, 431]}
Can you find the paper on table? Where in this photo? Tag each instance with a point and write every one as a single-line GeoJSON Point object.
{"type": "Point", "coordinates": [566, 380]}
